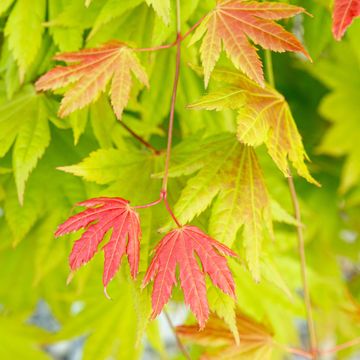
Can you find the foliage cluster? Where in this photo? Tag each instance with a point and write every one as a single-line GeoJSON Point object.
{"type": "Point", "coordinates": [236, 114]}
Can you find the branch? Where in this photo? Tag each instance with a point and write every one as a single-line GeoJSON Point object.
{"type": "Point", "coordinates": [300, 235]}
{"type": "Point", "coordinates": [301, 246]}
{"type": "Point", "coordinates": [163, 192]}
{"type": "Point", "coordinates": [178, 340]}
{"type": "Point", "coordinates": [343, 346]}
{"type": "Point", "coordinates": [139, 138]}
{"type": "Point", "coordinates": [174, 43]}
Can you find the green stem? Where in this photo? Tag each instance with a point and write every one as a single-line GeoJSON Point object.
{"type": "Point", "coordinates": [269, 68]}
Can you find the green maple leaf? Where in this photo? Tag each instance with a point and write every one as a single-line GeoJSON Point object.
{"type": "Point", "coordinates": [24, 30]}
{"type": "Point", "coordinates": [340, 72]}
{"type": "Point", "coordinates": [24, 120]}
{"type": "Point", "coordinates": [162, 8]}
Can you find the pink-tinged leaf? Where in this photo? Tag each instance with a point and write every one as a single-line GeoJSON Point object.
{"type": "Point", "coordinates": [182, 247]}
{"type": "Point", "coordinates": [345, 11]}
{"type": "Point", "coordinates": [103, 214]}
{"type": "Point", "coordinates": [233, 23]}
{"type": "Point", "coordinates": [89, 74]}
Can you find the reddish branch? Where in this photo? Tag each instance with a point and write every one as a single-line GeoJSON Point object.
{"type": "Point", "coordinates": [139, 138]}
{"type": "Point", "coordinates": [177, 42]}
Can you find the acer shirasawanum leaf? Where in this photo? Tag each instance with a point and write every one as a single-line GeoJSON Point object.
{"type": "Point", "coordinates": [264, 116]}
{"type": "Point", "coordinates": [182, 247]}
{"type": "Point", "coordinates": [256, 340]}
{"type": "Point", "coordinates": [345, 11]}
{"type": "Point", "coordinates": [101, 215]}
{"type": "Point", "coordinates": [233, 22]}
{"type": "Point", "coordinates": [90, 71]}
{"type": "Point", "coordinates": [24, 31]}
{"type": "Point", "coordinates": [230, 177]}
{"type": "Point", "coordinates": [162, 8]}
{"type": "Point", "coordinates": [24, 120]}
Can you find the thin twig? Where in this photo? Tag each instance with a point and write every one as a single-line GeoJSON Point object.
{"type": "Point", "coordinates": [300, 235]}
{"type": "Point", "coordinates": [301, 246]}
{"type": "Point", "coordinates": [156, 48]}
{"type": "Point", "coordinates": [163, 193]}
{"type": "Point", "coordinates": [300, 352]}
{"type": "Point", "coordinates": [178, 340]}
{"type": "Point", "coordinates": [174, 43]}
{"type": "Point", "coordinates": [158, 201]}
{"type": "Point", "coordinates": [193, 28]}
{"type": "Point", "coordinates": [292, 350]}
{"type": "Point", "coordinates": [343, 346]}
{"type": "Point", "coordinates": [168, 208]}
{"type": "Point", "coordinates": [172, 108]}
{"type": "Point", "coordinates": [139, 138]}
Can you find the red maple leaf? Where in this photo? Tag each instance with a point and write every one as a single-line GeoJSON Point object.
{"type": "Point", "coordinates": [101, 215]}
{"type": "Point", "coordinates": [344, 13]}
{"type": "Point", "coordinates": [179, 247]}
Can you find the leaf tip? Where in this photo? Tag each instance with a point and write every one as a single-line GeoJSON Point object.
{"type": "Point", "coordinates": [106, 293]}
{"type": "Point", "coordinates": [70, 278]}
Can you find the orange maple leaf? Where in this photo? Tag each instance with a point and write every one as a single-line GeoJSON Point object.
{"type": "Point", "coordinates": [90, 72]}
{"type": "Point", "coordinates": [256, 339]}
{"type": "Point", "coordinates": [232, 22]}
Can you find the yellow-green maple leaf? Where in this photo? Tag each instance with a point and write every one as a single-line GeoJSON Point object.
{"type": "Point", "coordinates": [264, 116]}
{"type": "Point", "coordinates": [230, 177]}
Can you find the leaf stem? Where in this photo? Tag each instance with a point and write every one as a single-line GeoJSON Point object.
{"type": "Point", "coordinates": [343, 346]}
{"type": "Point", "coordinates": [300, 236]}
{"type": "Point", "coordinates": [269, 68]}
{"type": "Point", "coordinates": [178, 340]}
{"type": "Point", "coordinates": [172, 112]}
{"type": "Point", "coordinates": [193, 28]}
{"type": "Point", "coordinates": [139, 138]}
{"type": "Point", "coordinates": [301, 246]}
{"type": "Point", "coordinates": [153, 203]}
{"type": "Point", "coordinates": [156, 48]}
{"type": "Point", "coordinates": [168, 208]}
{"type": "Point", "coordinates": [174, 43]}
{"type": "Point", "coordinates": [163, 192]}
{"type": "Point", "coordinates": [300, 352]}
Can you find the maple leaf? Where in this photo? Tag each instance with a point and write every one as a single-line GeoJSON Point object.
{"type": "Point", "coordinates": [179, 247]}
{"type": "Point", "coordinates": [229, 176]}
{"type": "Point", "coordinates": [101, 215]}
{"type": "Point", "coordinates": [345, 11]}
{"type": "Point", "coordinates": [232, 22]}
{"type": "Point", "coordinates": [89, 72]}
{"type": "Point", "coordinates": [256, 339]}
{"type": "Point", "coordinates": [264, 117]}
{"type": "Point", "coordinates": [162, 8]}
